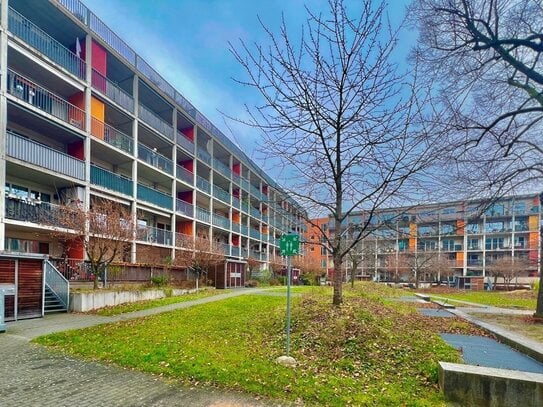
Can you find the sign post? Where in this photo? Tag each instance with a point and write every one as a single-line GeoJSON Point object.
{"type": "Point", "coordinates": [289, 245]}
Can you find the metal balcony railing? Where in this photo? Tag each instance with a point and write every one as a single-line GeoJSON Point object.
{"type": "Point", "coordinates": [235, 202]}
{"type": "Point", "coordinates": [111, 135]}
{"type": "Point", "coordinates": [156, 122]}
{"type": "Point", "coordinates": [255, 213]}
{"type": "Point", "coordinates": [58, 284]}
{"type": "Point", "coordinates": [255, 234]}
{"type": "Point", "coordinates": [184, 142]}
{"type": "Point", "coordinates": [245, 230]}
{"type": "Point", "coordinates": [106, 87]}
{"type": "Point", "coordinates": [38, 39]}
{"type": "Point", "coordinates": [155, 159]}
{"type": "Point", "coordinates": [203, 214]}
{"type": "Point", "coordinates": [155, 197]}
{"type": "Point", "coordinates": [155, 235]}
{"type": "Point", "coordinates": [235, 251]}
{"type": "Point", "coordinates": [221, 221]}
{"type": "Point", "coordinates": [245, 184]}
{"type": "Point", "coordinates": [39, 97]}
{"type": "Point", "coordinates": [203, 155]}
{"type": "Point", "coordinates": [183, 174]}
{"type": "Point", "coordinates": [203, 184]}
{"type": "Point", "coordinates": [221, 168]}
{"type": "Point", "coordinates": [110, 180]}
{"type": "Point", "coordinates": [235, 227]}
{"type": "Point", "coordinates": [43, 156]}
{"type": "Point", "coordinates": [184, 207]}
{"type": "Point", "coordinates": [245, 207]}
{"type": "Point", "coordinates": [220, 193]}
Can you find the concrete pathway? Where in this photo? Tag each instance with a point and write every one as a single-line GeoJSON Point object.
{"type": "Point", "coordinates": [31, 375]}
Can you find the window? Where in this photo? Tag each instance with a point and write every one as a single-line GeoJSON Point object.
{"type": "Point", "coordinates": [521, 225]}
{"type": "Point", "coordinates": [427, 245]}
{"type": "Point", "coordinates": [519, 208]}
{"type": "Point", "coordinates": [520, 242]}
{"type": "Point", "coordinates": [323, 263]}
{"type": "Point", "coordinates": [473, 244]}
{"type": "Point", "coordinates": [447, 229]}
{"type": "Point", "coordinates": [495, 210]}
{"type": "Point", "coordinates": [473, 228]}
{"type": "Point", "coordinates": [324, 252]}
{"type": "Point", "coordinates": [494, 227]}
{"type": "Point", "coordinates": [494, 243]}
{"type": "Point", "coordinates": [448, 245]}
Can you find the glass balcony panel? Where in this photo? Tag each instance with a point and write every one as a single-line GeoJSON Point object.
{"type": "Point", "coordinates": [110, 180]}
{"type": "Point", "coordinates": [155, 159]}
{"type": "Point", "coordinates": [235, 227]}
{"type": "Point", "coordinates": [183, 240]}
{"type": "Point", "coordinates": [185, 142]}
{"type": "Point", "coordinates": [203, 214]}
{"type": "Point", "coordinates": [255, 213]}
{"type": "Point", "coordinates": [203, 184]}
{"type": "Point", "coordinates": [235, 202]}
{"type": "Point", "coordinates": [235, 251]}
{"type": "Point", "coordinates": [220, 193]}
{"type": "Point", "coordinates": [221, 168]}
{"type": "Point", "coordinates": [185, 208]}
{"type": "Point", "coordinates": [111, 135]}
{"type": "Point", "coordinates": [155, 197]}
{"type": "Point", "coordinates": [204, 156]}
{"type": "Point", "coordinates": [245, 230]}
{"type": "Point", "coordinates": [155, 235]}
{"type": "Point", "coordinates": [221, 221]}
{"type": "Point", "coordinates": [106, 87]}
{"type": "Point", "coordinates": [255, 234]}
{"type": "Point", "coordinates": [39, 97]}
{"type": "Point", "coordinates": [156, 122]}
{"type": "Point", "coordinates": [44, 156]}
{"type": "Point", "coordinates": [38, 39]}
{"type": "Point", "coordinates": [184, 174]}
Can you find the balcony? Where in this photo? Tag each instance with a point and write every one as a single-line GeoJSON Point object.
{"type": "Point", "coordinates": [221, 168]}
{"type": "Point", "coordinates": [21, 209]}
{"type": "Point", "coordinates": [255, 191]}
{"type": "Point", "coordinates": [184, 208]}
{"type": "Point", "coordinates": [29, 92]}
{"type": "Point", "coordinates": [184, 241]}
{"type": "Point", "coordinates": [204, 156]}
{"type": "Point", "coordinates": [111, 136]}
{"type": "Point", "coordinates": [106, 87]}
{"type": "Point", "coordinates": [255, 255]}
{"type": "Point", "coordinates": [255, 213]}
{"type": "Point", "coordinates": [185, 175]}
{"type": "Point", "coordinates": [245, 184]}
{"type": "Point", "coordinates": [184, 142]}
{"type": "Point", "coordinates": [109, 180]}
{"type": "Point", "coordinates": [155, 197]}
{"type": "Point", "coordinates": [225, 248]}
{"type": "Point", "coordinates": [155, 236]}
{"type": "Point", "coordinates": [221, 194]}
{"type": "Point", "coordinates": [244, 252]}
{"type": "Point", "coordinates": [245, 207]}
{"type": "Point", "coordinates": [245, 230]}
{"type": "Point", "coordinates": [32, 152]}
{"type": "Point", "coordinates": [203, 184]}
{"type": "Point", "coordinates": [255, 234]}
{"type": "Point", "coordinates": [236, 178]}
{"type": "Point", "coordinates": [155, 159]}
{"type": "Point", "coordinates": [203, 215]}
{"type": "Point", "coordinates": [221, 221]}
{"type": "Point", "coordinates": [156, 122]}
{"type": "Point", "coordinates": [235, 227]}
{"type": "Point", "coordinates": [36, 38]}
{"type": "Point", "coordinates": [235, 202]}
{"type": "Point", "coordinates": [235, 251]}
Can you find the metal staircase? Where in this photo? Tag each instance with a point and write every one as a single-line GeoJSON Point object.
{"type": "Point", "coordinates": [57, 290]}
{"type": "Point", "coordinates": [52, 303]}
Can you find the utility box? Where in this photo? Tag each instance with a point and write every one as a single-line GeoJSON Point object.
{"type": "Point", "coordinates": [5, 290]}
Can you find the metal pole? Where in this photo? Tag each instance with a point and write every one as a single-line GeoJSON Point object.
{"type": "Point", "coordinates": [288, 304]}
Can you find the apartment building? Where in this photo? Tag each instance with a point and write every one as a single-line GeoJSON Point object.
{"type": "Point", "coordinates": [468, 235]}
{"type": "Point", "coordinates": [82, 116]}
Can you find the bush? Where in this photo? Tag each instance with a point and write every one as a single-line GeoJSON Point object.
{"type": "Point", "coordinates": [251, 283]}
{"type": "Point", "coordinates": [263, 278]}
{"type": "Point", "coordinates": [159, 281]}
{"type": "Point", "coordinates": [274, 281]}
{"type": "Point", "coordinates": [168, 291]}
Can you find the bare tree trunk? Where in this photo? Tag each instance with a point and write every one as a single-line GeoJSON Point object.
{"type": "Point", "coordinates": [338, 280]}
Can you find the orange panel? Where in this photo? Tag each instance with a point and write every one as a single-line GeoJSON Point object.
{"type": "Point", "coordinates": [265, 230]}
{"type": "Point", "coordinates": [235, 217]}
{"type": "Point", "coordinates": [460, 225]}
{"type": "Point", "coordinates": [185, 228]}
{"type": "Point", "coordinates": [413, 229]}
{"type": "Point", "coordinates": [412, 244]}
{"type": "Point", "coordinates": [533, 240]}
{"type": "Point", "coordinates": [533, 222]}
{"type": "Point", "coordinates": [76, 116]}
{"type": "Point", "coordinates": [98, 109]}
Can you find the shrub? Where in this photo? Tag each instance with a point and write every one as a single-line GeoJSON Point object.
{"type": "Point", "coordinates": [274, 281]}
{"type": "Point", "coordinates": [159, 281]}
{"type": "Point", "coordinates": [251, 283]}
{"type": "Point", "coordinates": [168, 291]}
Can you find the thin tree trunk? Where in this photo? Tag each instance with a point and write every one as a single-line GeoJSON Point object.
{"type": "Point", "coordinates": [338, 281]}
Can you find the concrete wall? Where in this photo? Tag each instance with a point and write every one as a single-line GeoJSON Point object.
{"type": "Point", "coordinates": [482, 386]}
{"type": "Point", "coordinates": [87, 301]}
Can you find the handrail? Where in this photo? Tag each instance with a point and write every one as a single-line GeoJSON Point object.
{"type": "Point", "coordinates": [107, 87]}
{"type": "Point", "coordinates": [57, 283]}
{"type": "Point", "coordinates": [155, 159]}
{"type": "Point", "coordinates": [156, 122]}
{"type": "Point", "coordinates": [111, 135]}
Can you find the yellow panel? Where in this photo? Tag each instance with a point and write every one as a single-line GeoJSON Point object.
{"type": "Point", "coordinates": [533, 222]}
{"type": "Point", "coordinates": [412, 229]}
{"type": "Point", "coordinates": [98, 109]}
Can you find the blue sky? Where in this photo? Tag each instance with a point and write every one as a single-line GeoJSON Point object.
{"type": "Point", "coordinates": [186, 41]}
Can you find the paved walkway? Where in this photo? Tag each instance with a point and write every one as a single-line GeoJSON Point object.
{"type": "Point", "coordinates": [31, 375]}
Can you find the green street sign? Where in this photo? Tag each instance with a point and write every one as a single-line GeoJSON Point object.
{"type": "Point", "coordinates": [289, 245]}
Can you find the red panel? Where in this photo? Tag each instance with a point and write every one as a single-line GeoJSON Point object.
{"type": "Point", "coordinates": [236, 169]}
{"type": "Point", "coordinates": [188, 165]}
{"type": "Point", "coordinates": [77, 149]}
{"type": "Point", "coordinates": [235, 192]}
{"type": "Point", "coordinates": [235, 240]}
{"type": "Point", "coordinates": [99, 58]}
{"type": "Point", "coordinates": [29, 290]}
{"type": "Point", "coordinates": [189, 133]}
{"type": "Point", "coordinates": [75, 250]}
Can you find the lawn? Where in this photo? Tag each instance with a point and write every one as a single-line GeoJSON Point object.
{"type": "Point", "coordinates": [141, 305]}
{"type": "Point", "coordinates": [508, 299]}
{"type": "Point", "coordinates": [521, 324]}
{"type": "Point", "coordinates": [367, 352]}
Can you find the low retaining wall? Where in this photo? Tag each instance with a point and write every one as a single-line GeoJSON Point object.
{"type": "Point", "coordinates": [88, 301]}
{"type": "Point", "coordinates": [484, 386]}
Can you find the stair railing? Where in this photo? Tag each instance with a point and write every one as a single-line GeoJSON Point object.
{"type": "Point", "coordinates": [57, 284]}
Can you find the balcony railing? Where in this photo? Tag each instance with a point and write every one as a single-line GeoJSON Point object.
{"type": "Point", "coordinates": [235, 251]}
{"type": "Point", "coordinates": [106, 87]}
{"type": "Point", "coordinates": [226, 248]}
{"type": "Point", "coordinates": [244, 252]}
{"type": "Point", "coordinates": [184, 207]}
{"type": "Point", "coordinates": [155, 235]}
{"type": "Point", "coordinates": [255, 191]}
{"type": "Point", "coordinates": [245, 184]}
{"type": "Point", "coordinates": [245, 230]}
{"type": "Point", "coordinates": [220, 193]}
{"type": "Point", "coordinates": [203, 155]}
{"type": "Point", "coordinates": [235, 202]}
{"type": "Point", "coordinates": [111, 135]}
{"type": "Point", "coordinates": [255, 213]}
{"type": "Point", "coordinates": [43, 156]}
{"type": "Point", "coordinates": [221, 168]}
{"type": "Point", "coordinates": [110, 180]}
{"type": "Point", "coordinates": [203, 214]}
{"type": "Point", "coordinates": [221, 221]}
{"type": "Point", "coordinates": [38, 39]}
{"type": "Point", "coordinates": [29, 92]}
{"type": "Point", "coordinates": [155, 197]}
{"type": "Point", "coordinates": [236, 178]}
{"type": "Point", "coordinates": [203, 184]}
{"type": "Point", "coordinates": [184, 142]}
{"type": "Point", "coordinates": [155, 159]}
{"type": "Point", "coordinates": [255, 234]}
{"type": "Point", "coordinates": [183, 240]}
{"type": "Point", "coordinates": [183, 174]}
{"type": "Point", "coordinates": [43, 213]}
{"type": "Point", "coordinates": [156, 122]}
{"type": "Point", "coordinates": [245, 207]}
{"type": "Point", "coordinates": [235, 227]}
{"type": "Point", "coordinates": [255, 255]}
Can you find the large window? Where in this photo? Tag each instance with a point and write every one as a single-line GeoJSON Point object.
{"type": "Point", "coordinates": [447, 229]}
{"type": "Point", "coordinates": [494, 227]}
{"type": "Point", "coordinates": [448, 245]}
{"type": "Point", "coordinates": [473, 228]}
{"type": "Point", "coordinates": [493, 243]}
{"type": "Point", "coordinates": [473, 244]}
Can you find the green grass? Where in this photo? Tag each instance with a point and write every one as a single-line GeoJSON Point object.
{"type": "Point", "coordinates": [141, 305]}
{"type": "Point", "coordinates": [366, 352]}
{"type": "Point", "coordinates": [517, 299]}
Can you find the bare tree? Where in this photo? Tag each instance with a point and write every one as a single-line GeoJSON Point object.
{"type": "Point", "coordinates": [508, 268]}
{"type": "Point", "coordinates": [355, 257]}
{"type": "Point", "coordinates": [252, 265]}
{"type": "Point", "coordinates": [336, 116]}
{"type": "Point", "coordinates": [309, 267]}
{"type": "Point", "coordinates": [416, 264]}
{"type": "Point", "coordinates": [484, 56]}
{"type": "Point", "coordinates": [104, 231]}
{"type": "Point", "coordinates": [201, 256]}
